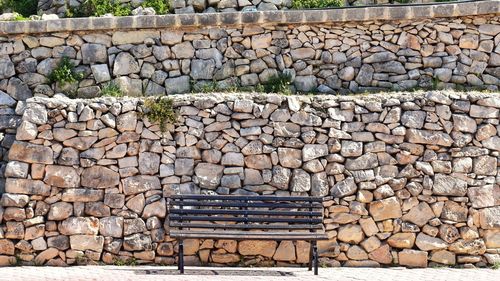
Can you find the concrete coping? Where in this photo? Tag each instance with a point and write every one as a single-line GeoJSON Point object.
{"type": "Point", "coordinates": [351, 14]}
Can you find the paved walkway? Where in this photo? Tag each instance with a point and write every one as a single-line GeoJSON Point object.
{"type": "Point", "coordinates": [145, 273]}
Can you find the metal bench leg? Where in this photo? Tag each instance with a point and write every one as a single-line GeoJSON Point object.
{"type": "Point", "coordinates": [315, 253]}
{"type": "Point", "coordinates": [181, 256]}
{"type": "Point", "coordinates": [310, 255]}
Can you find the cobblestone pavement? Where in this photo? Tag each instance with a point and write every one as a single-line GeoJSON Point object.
{"type": "Point", "coordinates": [145, 273]}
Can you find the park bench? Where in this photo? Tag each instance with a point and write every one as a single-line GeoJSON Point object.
{"type": "Point", "coordinates": [247, 218]}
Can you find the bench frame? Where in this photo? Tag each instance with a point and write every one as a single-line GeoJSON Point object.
{"type": "Point", "coordinates": [184, 209]}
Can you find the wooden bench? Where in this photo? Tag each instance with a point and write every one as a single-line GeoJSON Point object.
{"type": "Point", "coordinates": [246, 218]}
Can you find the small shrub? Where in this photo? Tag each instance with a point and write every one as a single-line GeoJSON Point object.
{"type": "Point", "coordinates": [99, 8]}
{"type": "Point", "coordinates": [65, 72]}
{"type": "Point", "coordinates": [124, 262]}
{"type": "Point", "coordinates": [160, 110]}
{"type": "Point", "coordinates": [208, 87]}
{"type": "Point", "coordinates": [24, 7]}
{"type": "Point", "coordinates": [304, 4]}
{"type": "Point", "coordinates": [496, 266]}
{"type": "Point", "coordinates": [279, 84]}
{"type": "Point", "coordinates": [161, 6]}
{"type": "Point", "coordinates": [111, 90]}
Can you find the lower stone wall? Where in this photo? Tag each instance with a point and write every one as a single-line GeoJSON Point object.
{"type": "Point", "coordinates": [409, 179]}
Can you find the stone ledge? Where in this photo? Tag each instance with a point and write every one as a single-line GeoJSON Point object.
{"type": "Point", "coordinates": [410, 12]}
{"type": "Point", "coordinates": [182, 99]}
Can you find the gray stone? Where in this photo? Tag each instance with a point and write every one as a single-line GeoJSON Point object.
{"type": "Point", "coordinates": [208, 175]}
{"type": "Point", "coordinates": [413, 119]}
{"type": "Point", "coordinates": [313, 151]}
{"type": "Point", "coordinates": [319, 184]}
{"type": "Point", "coordinates": [177, 85]}
{"type": "Point", "coordinates": [100, 72]}
{"type": "Point", "coordinates": [125, 64]}
{"type": "Point", "coordinates": [344, 188]}
{"type": "Point", "coordinates": [202, 69]}
{"type": "Point", "coordinates": [365, 75]}
{"type": "Point", "coordinates": [449, 186]}
{"type": "Point", "coordinates": [183, 50]}
{"type": "Point", "coordinates": [94, 53]}
{"type": "Point", "coordinates": [300, 181]}
{"type": "Point", "coordinates": [6, 68]}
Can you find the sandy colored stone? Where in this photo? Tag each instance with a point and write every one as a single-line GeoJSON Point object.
{"type": "Point", "coordinates": [402, 240]}
{"type": "Point", "coordinates": [253, 248]}
{"type": "Point", "coordinates": [285, 251]}
{"type": "Point", "coordinates": [413, 258]}
{"type": "Point", "coordinates": [350, 234]}
{"type": "Point", "coordinates": [385, 209]}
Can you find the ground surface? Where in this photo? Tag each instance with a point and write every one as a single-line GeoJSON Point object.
{"type": "Point", "coordinates": [144, 273]}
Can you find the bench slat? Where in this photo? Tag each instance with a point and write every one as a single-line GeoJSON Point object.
{"type": "Point", "coordinates": [246, 226]}
{"type": "Point", "coordinates": [246, 235]}
{"type": "Point", "coordinates": [175, 217]}
{"type": "Point", "coordinates": [249, 204]}
{"type": "Point", "coordinates": [243, 212]}
{"type": "Point", "coordinates": [249, 198]}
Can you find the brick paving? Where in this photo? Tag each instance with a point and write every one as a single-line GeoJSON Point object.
{"type": "Point", "coordinates": [145, 273]}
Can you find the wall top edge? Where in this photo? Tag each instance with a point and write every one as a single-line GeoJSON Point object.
{"type": "Point", "coordinates": [185, 99]}
{"type": "Point", "coordinates": [351, 14]}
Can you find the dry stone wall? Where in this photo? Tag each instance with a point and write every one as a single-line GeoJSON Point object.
{"type": "Point", "coordinates": [61, 7]}
{"type": "Point", "coordinates": [331, 51]}
{"type": "Point", "coordinates": [408, 179]}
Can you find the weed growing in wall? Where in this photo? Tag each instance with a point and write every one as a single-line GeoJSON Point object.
{"type": "Point", "coordinates": [65, 72]}
{"type": "Point", "coordinates": [279, 84]}
{"type": "Point", "coordinates": [160, 110]}
{"type": "Point", "coordinates": [304, 4]}
{"type": "Point", "coordinates": [99, 8]}
{"type": "Point", "coordinates": [111, 90]}
{"type": "Point", "coordinates": [161, 6]}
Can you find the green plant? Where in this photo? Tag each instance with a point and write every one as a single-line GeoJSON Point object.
{"type": "Point", "coordinates": [99, 8]}
{"type": "Point", "coordinates": [20, 17]}
{"type": "Point", "coordinates": [161, 6]}
{"type": "Point", "coordinates": [496, 265]}
{"type": "Point", "coordinates": [111, 90]}
{"type": "Point", "coordinates": [160, 110]}
{"type": "Point", "coordinates": [124, 262]}
{"type": "Point", "coordinates": [279, 84]}
{"type": "Point", "coordinates": [17, 261]}
{"type": "Point", "coordinates": [65, 72]}
{"type": "Point", "coordinates": [208, 87]}
{"type": "Point", "coordinates": [23, 7]}
{"type": "Point", "coordinates": [81, 259]}
{"type": "Point", "coordinates": [302, 4]}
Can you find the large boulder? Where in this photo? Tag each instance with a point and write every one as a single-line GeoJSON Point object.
{"type": "Point", "coordinates": [138, 184]}
{"type": "Point", "coordinates": [61, 176]}
{"type": "Point", "coordinates": [388, 208]}
{"type": "Point", "coordinates": [31, 153]}
{"type": "Point", "coordinates": [99, 177]}
{"type": "Point", "coordinates": [449, 186]}
{"type": "Point", "coordinates": [208, 175]}
{"type": "Point", "coordinates": [79, 225]}
{"type": "Point", "coordinates": [254, 248]}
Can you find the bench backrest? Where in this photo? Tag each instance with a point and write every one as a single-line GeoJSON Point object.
{"type": "Point", "coordinates": [234, 214]}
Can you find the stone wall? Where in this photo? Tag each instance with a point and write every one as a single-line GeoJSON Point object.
{"type": "Point", "coordinates": [61, 7]}
{"type": "Point", "coordinates": [333, 51]}
{"type": "Point", "coordinates": [408, 179]}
